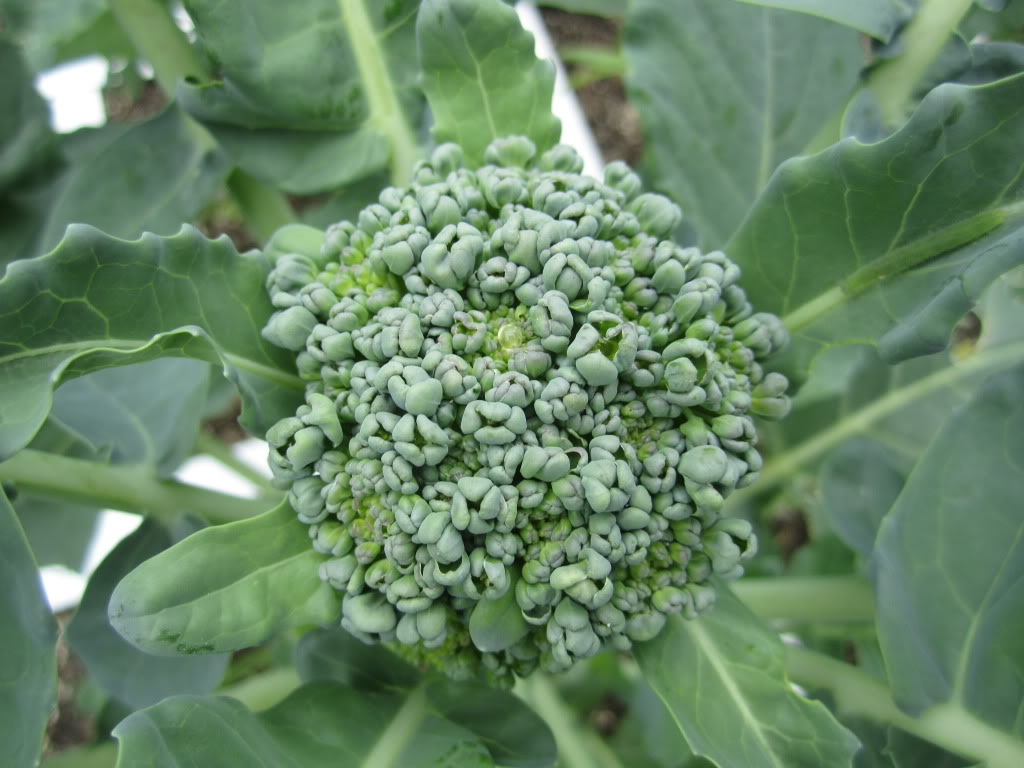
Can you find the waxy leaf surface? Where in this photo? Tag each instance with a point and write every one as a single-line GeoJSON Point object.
{"type": "Point", "coordinates": [721, 677]}
{"type": "Point", "coordinates": [225, 588]}
{"type": "Point", "coordinates": [726, 92]}
{"type": "Point", "coordinates": [28, 665]}
{"type": "Point", "coordinates": [891, 243]}
{"type": "Point", "coordinates": [482, 77]}
{"type": "Point", "coordinates": [97, 302]}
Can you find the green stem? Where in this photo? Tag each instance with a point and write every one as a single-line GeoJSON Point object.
{"type": "Point", "coordinates": [264, 690]}
{"type": "Point", "coordinates": [396, 737]}
{"type": "Point", "coordinates": [264, 209]}
{"type": "Point", "coordinates": [857, 694]}
{"type": "Point", "coordinates": [780, 467]}
{"type": "Point", "coordinates": [539, 691]}
{"type": "Point", "coordinates": [808, 598]}
{"type": "Point", "coordinates": [217, 449]}
{"type": "Point", "coordinates": [125, 487]}
{"type": "Point", "coordinates": [151, 28]}
{"type": "Point", "coordinates": [158, 39]}
{"type": "Point", "coordinates": [893, 81]}
{"type": "Point", "coordinates": [385, 111]}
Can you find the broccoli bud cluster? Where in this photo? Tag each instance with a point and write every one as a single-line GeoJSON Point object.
{"type": "Point", "coordinates": [520, 389]}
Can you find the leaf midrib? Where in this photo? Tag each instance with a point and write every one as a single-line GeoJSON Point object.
{"type": "Point", "coordinates": [732, 689]}
{"type": "Point", "coordinates": [901, 260]}
{"type": "Point", "coordinates": [385, 111]}
{"type": "Point", "coordinates": [87, 346]}
{"type": "Point", "coordinates": [263, 569]}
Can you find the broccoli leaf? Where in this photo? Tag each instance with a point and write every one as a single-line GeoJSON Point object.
{"type": "Point", "coordinates": [28, 667]}
{"type": "Point", "coordinates": [722, 678]}
{"type": "Point", "coordinates": [312, 95]}
{"type": "Point", "coordinates": [481, 76]}
{"type": "Point", "coordinates": [321, 725]}
{"type": "Point", "coordinates": [58, 531]}
{"type": "Point", "coordinates": [592, 7]}
{"type": "Point", "coordinates": [225, 588]}
{"type": "Point", "coordinates": [334, 654]}
{"type": "Point", "coordinates": [151, 178]}
{"type": "Point", "coordinates": [138, 679]}
{"type": "Point", "coordinates": [726, 92]}
{"type": "Point", "coordinates": [110, 302]}
{"type": "Point", "coordinates": [514, 735]}
{"type": "Point", "coordinates": [858, 483]}
{"type": "Point", "coordinates": [878, 18]}
{"type": "Point", "coordinates": [950, 562]}
{"type": "Point", "coordinates": [498, 624]}
{"type": "Point", "coordinates": [891, 243]}
{"type": "Point", "coordinates": [52, 31]}
{"type": "Point", "coordinates": [29, 158]}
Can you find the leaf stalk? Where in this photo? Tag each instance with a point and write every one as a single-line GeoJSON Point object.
{"type": "Point", "coordinates": [129, 488]}
{"type": "Point", "coordinates": [841, 599]}
{"type": "Point", "coordinates": [947, 725]}
{"type": "Point", "coordinates": [781, 466]}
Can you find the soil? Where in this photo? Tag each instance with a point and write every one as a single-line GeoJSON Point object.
{"type": "Point", "coordinates": [69, 726]}
{"type": "Point", "coordinates": [613, 120]}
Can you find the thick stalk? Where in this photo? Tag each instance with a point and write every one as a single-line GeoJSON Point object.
{"type": "Point", "coordinates": [386, 114]}
{"type": "Point", "coordinates": [892, 82]}
{"type": "Point", "coordinates": [151, 28]}
{"type": "Point", "coordinates": [539, 691]}
{"type": "Point", "coordinates": [857, 694]}
{"type": "Point", "coordinates": [154, 34]}
{"type": "Point", "coordinates": [126, 487]}
{"type": "Point", "coordinates": [396, 737]}
{"type": "Point", "coordinates": [264, 690]}
{"type": "Point", "coordinates": [780, 467]}
{"type": "Point", "coordinates": [264, 209]}
{"type": "Point", "coordinates": [810, 598]}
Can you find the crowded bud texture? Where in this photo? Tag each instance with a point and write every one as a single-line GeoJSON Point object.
{"type": "Point", "coordinates": [526, 405]}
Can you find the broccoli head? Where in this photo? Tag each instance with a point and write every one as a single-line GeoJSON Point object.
{"type": "Point", "coordinates": [525, 407]}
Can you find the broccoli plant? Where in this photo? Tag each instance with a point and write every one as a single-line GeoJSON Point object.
{"type": "Point", "coordinates": [717, 462]}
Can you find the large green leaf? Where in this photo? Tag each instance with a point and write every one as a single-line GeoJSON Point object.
{"type": "Point", "coordinates": [312, 95]}
{"type": "Point", "coordinates": [154, 176]}
{"type": "Point", "coordinates": [878, 18]}
{"type": "Point", "coordinates": [96, 302]}
{"type": "Point", "coordinates": [54, 30]}
{"type": "Point", "coordinates": [482, 77]}
{"type": "Point", "coordinates": [726, 92]}
{"type": "Point", "coordinates": [26, 140]}
{"type": "Point", "coordinates": [513, 734]}
{"type": "Point", "coordinates": [858, 483]}
{"type": "Point", "coordinates": [901, 406]}
{"type": "Point", "coordinates": [144, 414]}
{"type": "Point", "coordinates": [137, 678]}
{"type": "Point", "coordinates": [891, 243]}
{"type": "Point", "coordinates": [334, 654]}
{"type": "Point", "coordinates": [59, 532]}
{"type": "Point", "coordinates": [321, 725]}
{"type": "Point", "coordinates": [592, 7]}
{"type": "Point", "coordinates": [721, 677]}
{"type": "Point", "coordinates": [225, 588]}
{"type": "Point", "coordinates": [29, 158]}
{"type": "Point", "coordinates": [950, 562]}
{"type": "Point", "coordinates": [28, 666]}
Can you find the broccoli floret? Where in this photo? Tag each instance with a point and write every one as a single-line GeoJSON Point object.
{"type": "Point", "coordinates": [520, 386]}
